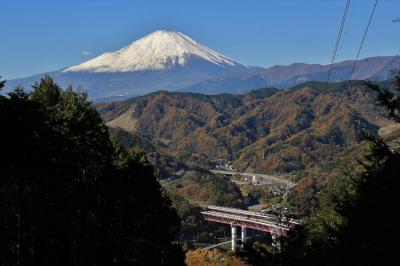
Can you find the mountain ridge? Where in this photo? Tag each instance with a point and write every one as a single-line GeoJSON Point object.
{"type": "Point", "coordinates": [284, 76]}
{"type": "Point", "coordinates": [168, 60]}
{"type": "Point", "coordinates": [261, 131]}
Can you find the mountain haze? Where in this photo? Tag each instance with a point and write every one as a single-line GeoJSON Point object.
{"type": "Point", "coordinates": [173, 61]}
{"type": "Point", "coordinates": [161, 60]}
{"type": "Point", "coordinates": [375, 68]}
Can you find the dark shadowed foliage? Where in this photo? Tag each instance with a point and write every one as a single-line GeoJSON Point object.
{"type": "Point", "coordinates": [69, 195]}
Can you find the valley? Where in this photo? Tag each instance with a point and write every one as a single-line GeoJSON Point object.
{"type": "Point", "coordinates": [265, 150]}
{"type": "Point", "coordinates": [300, 134]}
{"type": "Point", "coordinates": [199, 133]}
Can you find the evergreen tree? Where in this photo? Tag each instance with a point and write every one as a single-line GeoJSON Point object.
{"type": "Point", "coordinates": [357, 223]}
{"type": "Point", "coordinates": [69, 195]}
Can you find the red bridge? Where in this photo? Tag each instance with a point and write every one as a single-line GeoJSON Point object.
{"type": "Point", "coordinates": [276, 226]}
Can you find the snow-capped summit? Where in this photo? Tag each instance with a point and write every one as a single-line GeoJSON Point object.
{"type": "Point", "coordinates": [159, 50]}
{"type": "Point", "coordinates": [162, 60]}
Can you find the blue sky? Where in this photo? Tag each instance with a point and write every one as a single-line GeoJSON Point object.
{"type": "Point", "coordinates": [41, 35]}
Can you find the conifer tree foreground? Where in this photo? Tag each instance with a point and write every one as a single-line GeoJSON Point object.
{"type": "Point", "coordinates": [71, 196]}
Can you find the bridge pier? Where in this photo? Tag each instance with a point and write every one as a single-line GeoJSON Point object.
{"type": "Point", "coordinates": [233, 229]}
{"type": "Point", "coordinates": [244, 234]}
{"type": "Point", "coordinates": [276, 242]}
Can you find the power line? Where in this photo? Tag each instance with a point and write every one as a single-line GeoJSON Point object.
{"type": "Point", "coordinates": [347, 26]}
{"type": "Point", "coordinates": [338, 43]}
{"type": "Point", "coordinates": [346, 9]}
{"type": "Point", "coordinates": [363, 39]}
{"type": "Point", "coordinates": [358, 54]}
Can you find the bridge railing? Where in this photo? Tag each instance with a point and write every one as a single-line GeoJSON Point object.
{"type": "Point", "coordinates": [256, 215]}
{"type": "Point", "coordinates": [262, 225]}
{"type": "Point", "coordinates": [247, 219]}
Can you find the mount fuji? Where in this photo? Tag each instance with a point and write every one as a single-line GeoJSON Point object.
{"type": "Point", "coordinates": [169, 60]}
{"type": "Point", "coordinates": [160, 50]}
{"type": "Point", "coordinates": [162, 60]}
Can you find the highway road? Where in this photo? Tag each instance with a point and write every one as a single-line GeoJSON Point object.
{"type": "Point", "coordinates": [270, 178]}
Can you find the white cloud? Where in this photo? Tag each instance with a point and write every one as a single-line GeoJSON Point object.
{"type": "Point", "coordinates": [86, 53]}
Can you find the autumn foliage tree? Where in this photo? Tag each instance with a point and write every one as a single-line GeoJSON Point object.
{"type": "Point", "coordinates": [212, 258]}
{"type": "Point", "coordinates": [357, 222]}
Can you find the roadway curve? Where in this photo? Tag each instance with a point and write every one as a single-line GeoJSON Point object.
{"type": "Point", "coordinates": [266, 177]}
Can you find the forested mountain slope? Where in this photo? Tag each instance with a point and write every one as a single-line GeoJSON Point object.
{"type": "Point", "coordinates": [264, 130]}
